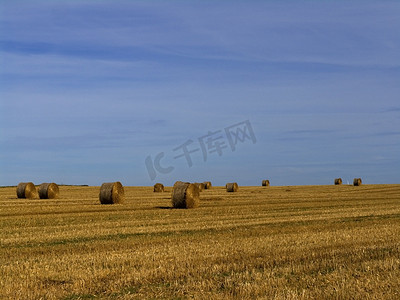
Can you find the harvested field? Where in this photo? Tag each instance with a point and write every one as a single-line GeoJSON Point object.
{"type": "Point", "coordinates": [288, 242]}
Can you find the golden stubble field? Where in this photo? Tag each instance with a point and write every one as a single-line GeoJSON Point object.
{"type": "Point", "coordinates": [290, 242]}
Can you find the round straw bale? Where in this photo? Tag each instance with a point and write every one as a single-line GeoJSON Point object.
{"type": "Point", "coordinates": [26, 190]}
{"type": "Point", "coordinates": [357, 181]}
{"type": "Point", "coordinates": [338, 181]}
{"type": "Point", "coordinates": [48, 191]}
{"type": "Point", "coordinates": [265, 182]}
{"type": "Point", "coordinates": [232, 187]}
{"type": "Point", "coordinates": [158, 188]}
{"type": "Point", "coordinates": [207, 185]}
{"type": "Point", "coordinates": [185, 195]}
{"type": "Point", "coordinates": [112, 193]}
{"type": "Point", "coordinates": [200, 186]}
{"type": "Point", "coordinates": [178, 182]}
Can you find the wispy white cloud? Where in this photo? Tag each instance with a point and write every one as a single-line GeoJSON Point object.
{"type": "Point", "coordinates": [352, 34]}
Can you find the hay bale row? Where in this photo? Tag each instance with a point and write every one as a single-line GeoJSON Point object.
{"type": "Point", "coordinates": [338, 181]}
{"type": "Point", "coordinates": [185, 195]}
{"type": "Point", "coordinates": [356, 181]}
{"type": "Point", "coordinates": [111, 193]}
{"type": "Point", "coordinates": [27, 190]}
{"type": "Point", "coordinates": [232, 187]}
{"type": "Point", "coordinates": [265, 182]}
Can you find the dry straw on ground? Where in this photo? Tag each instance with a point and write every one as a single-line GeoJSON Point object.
{"type": "Point", "coordinates": [26, 190]}
{"type": "Point", "coordinates": [158, 188]}
{"type": "Point", "coordinates": [207, 185]}
{"type": "Point", "coordinates": [232, 187]}
{"type": "Point", "coordinates": [357, 181]}
{"type": "Point", "coordinates": [265, 182]}
{"type": "Point", "coordinates": [338, 181]}
{"type": "Point", "coordinates": [48, 190]}
{"type": "Point", "coordinates": [185, 195]}
{"type": "Point", "coordinates": [267, 244]}
{"type": "Point", "coordinates": [112, 193]}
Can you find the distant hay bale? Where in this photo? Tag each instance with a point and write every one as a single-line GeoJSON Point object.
{"type": "Point", "coordinates": [48, 191]}
{"type": "Point", "coordinates": [200, 185]}
{"type": "Point", "coordinates": [232, 187]}
{"type": "Point", "coordinates": [338, 181]}
{"type": "Point", "coordinates": [26, 190]}
{"type": "Point", "coordinates": [178, 182]}
{"type": "Point", "coordinates": [357, 181]}
{"type": "Point", "coordinates": [207, 185]}
{"type": "Point", "coordinates": [265, 182]}
{"type": "Point", "coordinates": [185, 195]}
{"type": "Point", "coordinates": [158, 188]}
{"type": "Point", "coordinates": [112, 193]}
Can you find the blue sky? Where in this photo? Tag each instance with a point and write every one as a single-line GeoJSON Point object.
{"type": "Point", "coordinates": [90, 89]}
